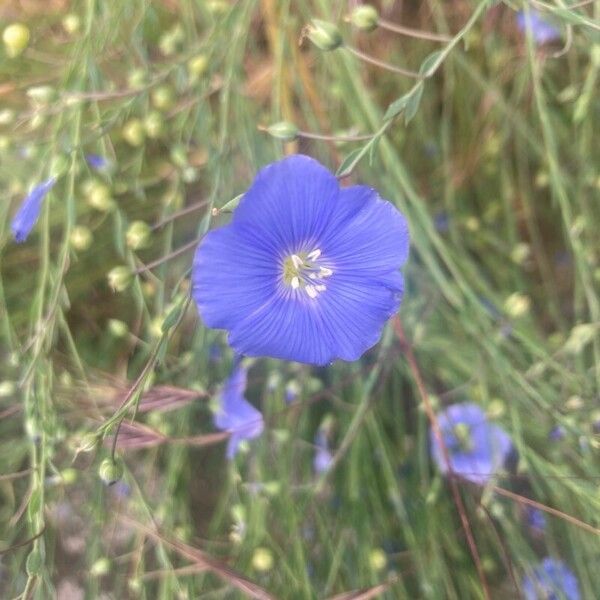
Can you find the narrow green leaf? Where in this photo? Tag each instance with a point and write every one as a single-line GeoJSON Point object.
{"type": "Point", "coordinates": [431, 63]}
{"type": "Point", "coordinates": [413, 102]}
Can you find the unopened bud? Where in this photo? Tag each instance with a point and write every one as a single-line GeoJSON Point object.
{"type": "Point", "coordinates": [110, 471]}
{"type": "Point", "coordinates": [365, 17]}
{"type": "Point", "coordinates": [138, 235]}
{"type": "Point", "coordinates": [15, 38]}
{"type": "Point", "coordinates": [81, 238]}
{"type": "Point", "coordinates": [133, 132]}
{"type": "Point", "coordinates": [120, 278]}
{"type": "Point", "coordinates": [324, 35]}
{"type": "Point", "coordinates": [284, 130]}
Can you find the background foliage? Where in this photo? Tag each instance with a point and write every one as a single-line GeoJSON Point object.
{"type": "Point", "coordinates": [498, 176]}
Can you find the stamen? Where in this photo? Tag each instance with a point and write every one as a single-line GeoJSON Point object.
{"type": "Point", "coordinates": [325, 272]}
{"type": "Point", "coordinates": [296, 261]}
{"type": "Point", "coordinates": [311, 291]}
{"type": "Point", "coordinates": [295, 282]}
{"type": "Point", "coordinates": [320, 287]}
{"type": "Point", "coordinates": [314, 254]}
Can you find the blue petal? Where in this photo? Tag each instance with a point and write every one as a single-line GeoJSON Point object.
{"type": "Point", "coordinates": [29, 211]}
{"type": "Point", "coordinates": [96, 161]}
{"type": "Point", "coordinates": [551, 579]}
{"type": "Point", "coordinates": [232, 277]}
{"type": "Point", "coordinates": [289, 204]}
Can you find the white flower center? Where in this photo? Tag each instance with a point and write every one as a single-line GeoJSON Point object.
{"type": "Point", "coordinates": [305, 273]}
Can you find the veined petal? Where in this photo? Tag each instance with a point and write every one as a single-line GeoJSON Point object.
{"type": "Point", "coordinates": [231, 278]}
{"type": "Point", "coordinates": [290, 203]}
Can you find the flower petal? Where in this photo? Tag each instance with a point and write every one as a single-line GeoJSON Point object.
{"type": "Point", "coordinates": [290, 203]}
{"type": "Point", "coordinates": [29, 211]}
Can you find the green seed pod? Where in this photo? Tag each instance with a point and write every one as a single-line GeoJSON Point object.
{"type": "Point", "coordinates": [197, 66]}
{"type": "Point", "coordinates": [179, 156]}
{"type": "Point", "coordinates": [110, 471]}
{"type": "Point", "coordinates": [15, 38]}
{"type": "Point", "coordinates": [71, 23]}
{"type": "Point", "coordinates": [117, 328]}
{"type": "Point", "coordinates": [138, 235]}
{"type": "Point", "coordinates": [163, 97]}
{"type": "Point", "coordinates": [100, 567]}
{"type": "Point", "coordinates": [7, 388]}
{"type": "Point", "coordinates": [81, 238]}
{"type": "Point", "coordinates": [99, 197]}
{"type": "Point", "coordinates": [262, 559]}
{"type": "Point", "coordinates": [133, 132]}
{"type": "Point", "coordinates": [325, 36]}
{"type": "Point", "coordinates": [154, 125]}
{"type": "Point", "coordinates": [120, 278]}
{"type": "Point", "coordinates": [365, 17]}
{"type": "Point", "coordinates": [284, 130]}
{"type": "Point", "coordinates": [137, 78]}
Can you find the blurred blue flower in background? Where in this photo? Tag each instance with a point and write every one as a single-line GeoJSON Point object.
{"type": "Point", "coordinates": [557, 433]}
{"type": "Point", "coordinates": [477, 449]}
{"type": "Point", "coordinates": [29, 211]}
{"type": "Point", "coordinates": [551, 580]}
{"type": "Point", "coordinates": [536, 519]}
{"type": "Point", "coordinates": [96, 161]}
{"type": "Point", "coordinates": [542, 31]}
{"type": "Point", "coordinates": [323, 456]}
{"type": "Point", "coordinates": [236, 415]}
{"type": "Point", "coordinates": [305, 271]}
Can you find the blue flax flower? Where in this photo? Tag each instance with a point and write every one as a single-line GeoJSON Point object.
{"type": "Point", "coordinates": [542, 31]}
{"type": "Point", "coordinates": [305, 271]}
{"type": "Point", "coordinates": [29, 211]}
{"type": "Point", "coordinates": [236, 415]}
{"type": "Point", "coordinates": [323, 456]}
{"type": "Point", "coordinates": [536, 519]}
{"type": "Point", "coordinates": [551, 580]}
{"type": "Point", "coordinates": [477, 449]}
{"type": "Point", "coordinates": [96, 161]}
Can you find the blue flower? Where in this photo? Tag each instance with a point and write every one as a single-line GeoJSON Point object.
{"type": "Point", "coordinates": [305, 271]}
{"type": "Point", "coordinates": [323, 456]}
{"type": "Point", "coordinates": [557, 433]}
{"type": "Point", "coordinates": [29, 211]}
{"type": "Point", "coordinates": [551, 580]}
{"type": "Point", "coordinates": [236, 415]}
{"type": "Point", "coordinates": [542, 31]}
{"type": "Point", "coordinates": [477, 449]}
{"type": "Point", "coordinates": [96, 161]}
{"type": "Point", "coordinates": [535, 519]}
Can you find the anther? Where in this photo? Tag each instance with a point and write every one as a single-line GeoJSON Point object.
{"type": "Point", "coordinates": [311, 291]}
{"type": "Point", "coordinates": [314, 254]}
{"type": "Point", "coordinates": [295, 282]}
{"type": "Point", "coordinates": [296, 261]}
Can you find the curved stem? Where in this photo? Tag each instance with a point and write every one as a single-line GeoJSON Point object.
{"type": "Point", "coordinates": [380, 63]}
{"type": "Point", "coordinates": [415, 33]}
{"type": "Point", "coordinates": [335, 138]}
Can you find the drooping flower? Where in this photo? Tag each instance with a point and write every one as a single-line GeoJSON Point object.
{"type": "Point", "coordinates": [29, 211]}
{"type": "Point", "coordinates": [551, 580]}
{"type": "Point", "coordinates": [476, 448]}
{"type": "Point", "coordinates": [235, 414]}
{"type": "Point", "coordinates": [542, 31]}
{"type": "Point", "coordinates": [305, 271]}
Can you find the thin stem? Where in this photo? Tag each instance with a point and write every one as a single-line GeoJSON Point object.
{"type": "Point", "coordinates": [335, 138]}
{"type": "Point", "coordinates": [380, 63]}
{"type": "Point", "coordinates": [437, 432]}
{"type": "Point", "coordinates": [415, 33]}
{"type": "Point", "coordinates": [167, 257]}
{"type": "Point", "coordinates": [180, 213]}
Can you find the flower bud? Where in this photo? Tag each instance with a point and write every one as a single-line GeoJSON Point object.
{"type": "Point", "coordinates": [7, 116]}
{"type": "Point", "coordinates": [41, 94]}
{"type": "Point", "coordinates": [110, 471]}
{"type": "Point", "coordinates": [71, 23]}
{"type": "Point", "coordinates": [133, 132]}
{"type": "Point", "coordinates": [120, 278]}
{"type": "Point", "coordinates": [117, 328]}
{"type": "Point", "coordinates": [15, 38]}
{"type": "Point", "coordinates": [517, 305]}
{"type": "Point", "coordinates": [365, 17]}
{"type": "Point", "coordinates": [262, 559]}
{"type": "Point", "coordinates": [98, 196]}
{"type": "Point", "coordinates": [81, 238]}
{"type": "Point", "coordinates": [284, 130]}
{"type": "Point", "coordinates": [154, 125]}
{"type": "Point", "coordinates": [138, 235]}
{"type": "Point", "coordinates": [162, 97]}
{"type": "Point", "coordinates": [325, 36]}
{"type": "Point", "coordinates": [197, 66]}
